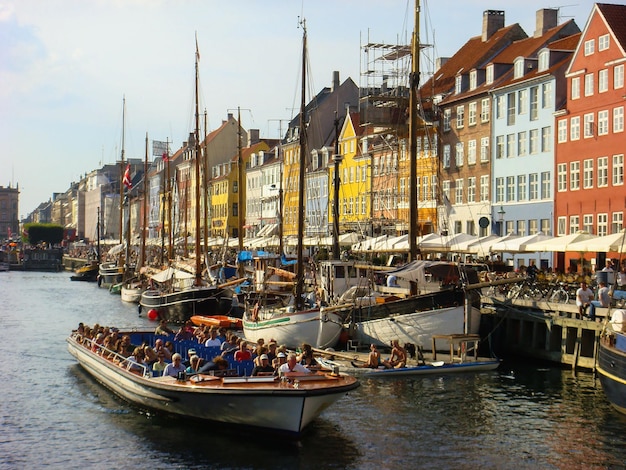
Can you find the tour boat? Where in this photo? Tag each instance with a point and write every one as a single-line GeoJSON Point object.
{"type": "Point", "coordinates": [612, 361]}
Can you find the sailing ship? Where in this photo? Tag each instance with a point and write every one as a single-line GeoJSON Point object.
{"type": "Point", "coordinates": [179, 301]}
{"type": "Point", "coordinates": [302, 320]}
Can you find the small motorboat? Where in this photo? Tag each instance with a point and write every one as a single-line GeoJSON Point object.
{"type": "Point", "coordinates": [220, 321]}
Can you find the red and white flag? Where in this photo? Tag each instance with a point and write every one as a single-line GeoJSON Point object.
{"type": "Point", "coordinates": [126, 179]}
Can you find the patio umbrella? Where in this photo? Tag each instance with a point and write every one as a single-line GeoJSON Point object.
{"type": "Point", "coordinates": [559, 243]}
{"type": "Point", "coordinates": [518, 244]}
{"type": "Point", "coordinates": [616, 242]}
{"type": "Point", "coordinates": [447, 242]}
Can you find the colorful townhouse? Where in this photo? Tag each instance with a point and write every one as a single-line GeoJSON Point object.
{"type": "Point", "coordinates": [590, 193]}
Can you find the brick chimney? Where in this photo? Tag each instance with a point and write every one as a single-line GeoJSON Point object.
{"type": "Point", "coordinates": [493, 20]}
{"type": "Point", "coordinates": [545, 19]}
{"type": "Point", "coordinates": [335, 80]}
{"type": "Point", "coordinates": [253, 137]}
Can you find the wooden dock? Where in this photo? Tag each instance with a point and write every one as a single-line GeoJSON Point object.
{"type": "Point", "coordinates": [545, 330]}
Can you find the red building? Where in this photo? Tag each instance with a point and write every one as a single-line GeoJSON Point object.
{"type": "Point", "coordinates": [590, 193]}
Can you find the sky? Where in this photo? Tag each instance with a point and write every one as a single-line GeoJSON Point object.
{"type": "Point", "coordinates": [67, 66]}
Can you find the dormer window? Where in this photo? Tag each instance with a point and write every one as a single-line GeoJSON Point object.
{"type": "Point", "coordinates": [489, 74]}
{"type": "Point", "coordinates": [457, 84]}
{"type": "Point", "coordinates": [473, 79]}
{"type": "Point", "coordinates": [518, 68]}
{"type": "Point", "coordinates": [544, 60]}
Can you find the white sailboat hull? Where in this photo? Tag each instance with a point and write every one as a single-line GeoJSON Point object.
{"type": "Point", "coordinates": [417, 328]}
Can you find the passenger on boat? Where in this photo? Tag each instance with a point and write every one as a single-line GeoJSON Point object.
{"type": "Point", "coordinates": [258, 353]}
{"type": "Point", "coordinates": [213, 341]}
{"type": "Point", "coordinates": [150, 354]}
{"type": "Point", "coordinates": [373, 360]}
{"type": "Point", "coordinates": [185, 333]}
{"type": "Point", "coordinates": [135, 360]}
{"type": "Point", "coordinates": [159, 347]}
{"type": "Point", "coordinates": [264, 368]}
{"type": "Point", "coordinates": [281, 358]}
{"type": "Point", "coordinates": [159, 366]}
{"type": "Point", "coordinates": [230, 343]}
{"type": "Point", "coordinates": [306, 357]}
{"type": "Point", "coordinates": [163, 329]}
{"type": "Point", "coordinates": [398, 356]}
{"type": "Point", "coordinates": [292, 365]}
{"type": "Point", "coordinates": [218, 363]}
{"type": "Point", "coordinates": [174, 367]}
{"type": "Point", "coordinates": [243, 354]}
{"type": "Point", "coordinates": [95, 344]}
{"type": "Point", "coordinates": [271, 351]}
{"type": "Point", "coordinates": [194, 365]}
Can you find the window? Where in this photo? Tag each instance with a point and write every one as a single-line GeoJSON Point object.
{"type": "Point", "coordinates": [603, 172]}
{"type": "Point", "coordinates": [545, 185]}
{"type": "Point", "coordinates": [574, 129]}
{"type": "Point", "coordinates": [544, 60]}
{"type": "Point", "coordinates": [484, 149]}
{"type": "Point", "coordinates": [603, 122]}
{"type": "Point", "coordinates": [603, 80]}
{"type": "Point", "coordinates": [546, 101]}
{"type": "Point", "coordinates": [589, 127]}
{"type": "Point", "coordinates": [574, 176]}
{"type": "Point", "coordinates": [522, 102]}
{"type": "Point", "coordinates": [534, 141]}
{"type": "Point", "coordinates": [500, 107]}
{"type": "Point", "coordinates": [518, 68]}
{"type": "Point", "coordinates": [545, 226]}
{"type": "Point", "coordinates": [510, 188]}
{"type": "Point", "coordinates": [575, 88]}
{"type": "Point", "coordinates": [445, 188]}
{"type": "Point", "coordinates": [561, 223]}
{"type": "Point", "coordinates": [460, 157]}
{"type": "Point", "coordinates": [521, 188]}
{"type": "Point", "coordinates": [562, 131]}
{"type": "Point", "coordinates": [447, 114]}
{"type": "Point", "coordinates": [471, 118]}
{"type": "Point", "coordinates": [426, 194]}
{"type": "Point", "coordinates": [484, 188]}
{"type": "Point", "coordinates": [534, 103]}
{"type": "Point", "coordinates": [574, 223]}
{"type": "Point", "coordinates": [510, 109]}
{"type": "Point", "coordinates": [603, 224]}
{"type": "Point", "coordinates": [590, 45]}
{"type": "Point", "coordinates": [489, 74]}
{"type": "Point", "coordinates": [546, 139]}
{"type": "Point", "coordinates": [588, 223]}
{"type": "Point", "coordinates": [460, 116]}
{"type": "Point", "coordinates": [521, 228]}
{"type": "Point", "coordinates": [618, 119]}
{"type": "Point", "coordinates": [617, 222]}
{"type": "Point", "coordinates": [471, 152]}
{"type": "Point", "coordinates": [522, 143]}
{"type": "Point", "coordinates": [433, 187]}
{"type": "Point", "coordinates": [458, 81]}
{"type": "Point", "coordinates": [533, 187]}
{"type": "Point", "coordinates": [471, 189]}
{"type": "Point", "coordinates": [446, 156]}
{"type": "Point", "coordinates": [473, 79]}
{"type": "Point", "coordinates": [510, 145]}
{"type": "Point", "coordinates": [618, 76]}
{"type": "Point", "coordinates": [484, 110]}
{"type": "Point", "coordinates": [618, 170]}
{"type": "Point", "coordinates": [588, 173]}
{"type": "Point", "coordinates": [509, 226]}
{"type": "Point", "coordinates": [561, 171]}
{"type": "Point", "coordinates": [589, 84]}
{"type": "Point", "coordinates": [458, 191]}
{"type": "Point", "coordinates": [500, 146]}
{"type": "Point", "coordinates": [603, 42]}
{"type": "Point", "coordinates": [499, 189]}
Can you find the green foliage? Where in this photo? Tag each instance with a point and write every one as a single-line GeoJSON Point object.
{"type": "Point", "coordinates": [48, 233]}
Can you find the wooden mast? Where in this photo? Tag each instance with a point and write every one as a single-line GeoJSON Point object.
{"type": "Point", "coordinates": [144, 218]}
{"type": "Point", "coordinates": [240, 185]}
{"type": "Point", "coordinates": [301, 179]}
{"type": "Point", "coordinates": [198, 279]}
{"type": "Point", "coordinates": [413, 123]}
{"type": "Point", "coordinates": [122, 169]}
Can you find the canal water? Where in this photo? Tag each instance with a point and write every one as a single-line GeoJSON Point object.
{"type": "Point", "coordinates": [52, 414]}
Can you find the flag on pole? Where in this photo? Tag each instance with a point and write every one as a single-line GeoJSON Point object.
{"type": "Point", "coordinates": [197, 50]}
{"type": "Point", "coordinates": [165, 157]}
{"type": "Point", "coordinates": [126, 180]}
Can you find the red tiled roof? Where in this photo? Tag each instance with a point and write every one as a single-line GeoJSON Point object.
{"type": "Point", "coordinates": [615, 16]}
{"type": "Point", "coordinates": [568, 43]}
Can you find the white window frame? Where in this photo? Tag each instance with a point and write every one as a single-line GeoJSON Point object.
{"type": "Point", "coordinates": [603, 122]}
{"type": "Point", "coordinates": [603, 81]}
{"type": "Point", "coordinates": [471, 114]}
{"type": "Point", "coordinates": [618, 119]}
{"type": "Point", "coordinates": [561, 171]}
{"type": "Point", "coordinates": [574, 128]}
{"type": "Point", "coordinates": [484, 188]}
{"type": "Point", "coordinates": [604, 42]}
{"type": "Point", "coordinates": [485, 110]}
{"type": "Point", "coordinates": [589, 84]}
{"type": "Point", "coordinates": [575, 92]}
{"type": "Point", "coordinates": [618, 76]}
{"type": "Point", "coordinates": [471, 152]}
{"type": "Point", "coordinates": [533, 186]}
{"type": "Point", "coordinates": [602, 223]}
{"type": "Point", "coordinates": [460, 116]}
{"type": "Point", "coordinates": [574, 176]}
{"type": "Point", "coordinates": [522, 188]}
{"type": "Point", "coordinates": [522, 143]}
{"type": "Point", "coordinates": [603, 172]}
{"type": "Point", "coordinates": [458, 191]}
{"type": "Point", "coordinates": [545, 185]}
{"type": "Point", "coordinates": [484, 149]}
{"type": "Point", "coordinates": [589, 123]}
{"type": "Point", "coordinates": [589, 46]}
{"type": "Point", "coordinates": [618, 170]}
{"type": "Point", "coordinates": [510, 188]}
{"type": "Point", "coordinates": [588, 173]}
{"type": "Point", "coordinates": [562, 131]}
{"type": "Point", "coordinates": [471, 189]}
{"type": "Point", "coordinates": [546, 139]}
{"type": "Point", "coordinates": [459, 154]}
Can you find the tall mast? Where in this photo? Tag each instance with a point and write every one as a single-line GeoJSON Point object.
{"type": "Point", "coordinates": [198, 280]}
{"type": "Point", "coordinates": [240, 186]}
{"type": "Point", "coordinates": [337, 161]}
{"type": "Point", "coordinates": [205, 192]}
{"type": "Point", "coordinates": [144, 218]}
{"type": "Point", "coordinates": [122, 170]}
{"type": "Point", "coordinates": [301, 180]}
{"type": "Point", "coordinates": [414, 88]}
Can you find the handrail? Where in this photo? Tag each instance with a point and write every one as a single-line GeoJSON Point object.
{"type": "Point", "coordinates": [114, 355]}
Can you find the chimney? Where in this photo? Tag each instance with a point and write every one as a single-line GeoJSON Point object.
{"type": "Point", "coordinates": [546, 18]}
{"type": "Point", "coordinates": [253, 137]}
{"type": "Point", "coordinates": [335, 80]}
{"type": "Point", "coordinates": [493, 20]}
{"type": "Point", "coordinates": [440, 61]}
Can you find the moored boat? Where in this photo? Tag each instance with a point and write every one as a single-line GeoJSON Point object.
{"type": "Point", "coordinates": [611, 365]}
{"type": "Point", "coordinates": [222, 321]}
{"type": "Point", "coordinates": [109, 274]}
{"type": "Point", "coordinates": [86, 273]}
{"type": "Point", "coordinates": [284, 405]}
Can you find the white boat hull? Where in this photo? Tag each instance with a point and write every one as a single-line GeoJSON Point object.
{"type": "Point", "coordinates": [418, 327]}
{"type": "Point", "coordinates": [319, 328]}
{"type": "Point", "coordinates": [269, 405]}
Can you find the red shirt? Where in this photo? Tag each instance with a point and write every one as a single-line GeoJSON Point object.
{"type": "Point", "coordinates": [243, 355]}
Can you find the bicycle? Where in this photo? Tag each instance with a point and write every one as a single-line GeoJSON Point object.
{"type": "Point", "coordinates": [560, 294]}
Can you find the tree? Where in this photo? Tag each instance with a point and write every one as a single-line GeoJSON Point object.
{"type": "Point", "coordinates": [47, 233]}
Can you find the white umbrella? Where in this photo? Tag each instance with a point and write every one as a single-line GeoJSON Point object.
{"type": "Point", "coordinates": [518, 245]}
{"type": "Point", "coordinates": [609, 243]}
{"type": "Point", "coordinates": [560, 243]}
{"type": "Point", "coordinates": [447, 242]}
{"type": "Point", "coordinates": [480, 247]}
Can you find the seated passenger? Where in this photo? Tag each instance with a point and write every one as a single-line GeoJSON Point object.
{"type": "Point", "coordinates": [373, 360]}
{"type": "Point", "coordinates": [213, 341]}
{"type": "Point", "coordinates": [306, 357]}
{"type": "Point", "coordinates": [398, 356]}
{"type": "Point", "coordinates": [194, 365]}
{"type": "Point", "coordinates": [163, 329]}
{"type": "Point", "coordinates": [281, 358]}
{"type": "Point", "coordinates": [265, 368]}
{"type": "Point", "coordinates": [159, 366]}
{"type": "Point", "coordinates": [175, 367]}
{"type": "Point", "coordinates": [292, 365]}
{"type": "Point", "coordinates": [159, 347]}
{"type": "Point", "coordinates": [243, 354]}
{"type": "Point", "coordinates": [135, 360]}
{"type": "Point", "coordinates": [218, 363]}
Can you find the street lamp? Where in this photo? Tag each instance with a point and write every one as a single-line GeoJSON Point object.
{"type": "Point", "coordinates": [501, 213]}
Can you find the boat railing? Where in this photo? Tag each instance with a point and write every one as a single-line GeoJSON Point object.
{"type": "Point", "coordinates": [113, 356]}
